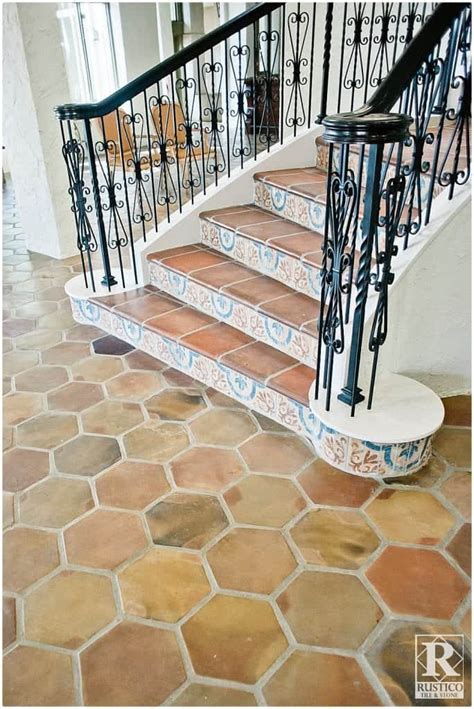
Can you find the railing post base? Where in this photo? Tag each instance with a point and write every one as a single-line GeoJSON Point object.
{"type": "Point", "coordinates": [346, 396]}
{"type": "Point", "coordinates": [109, 281]}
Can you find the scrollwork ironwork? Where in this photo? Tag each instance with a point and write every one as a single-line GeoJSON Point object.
{"type": "Point", "coordinates": [73, 153]}
{"type": "Point", "coordinates": [298, 28]}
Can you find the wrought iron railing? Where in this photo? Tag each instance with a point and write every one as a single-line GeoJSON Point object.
{"type": "Point", "coordinates": [137, 157]}
{"type": "Point", "coordinates": [384, 169]}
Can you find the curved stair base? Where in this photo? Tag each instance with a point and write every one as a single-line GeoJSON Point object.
{"type": "Point", "coordinates": [391, 440]}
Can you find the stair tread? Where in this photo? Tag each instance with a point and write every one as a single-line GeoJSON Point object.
{"type": "Point", "coordinates": [206, 335]}
{"type": "Point", "coordinates": [306, 181]}
{"type": "Point", "coordinates": [245, 285]}
{"type": "Point", "coordinates": [271, 229]}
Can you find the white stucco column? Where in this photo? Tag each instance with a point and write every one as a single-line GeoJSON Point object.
{"type": "Point", "coordinates": [34, 81]}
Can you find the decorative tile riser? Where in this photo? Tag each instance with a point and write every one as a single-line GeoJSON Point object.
{"type": "Point", "coordinates": [220, 306]}
{"type": "Point", "coordinates": [294, 207]}
{"type": "Point", "coordinates": [302, 277]}
{"type": "Point", "coordinates": [362, 458]}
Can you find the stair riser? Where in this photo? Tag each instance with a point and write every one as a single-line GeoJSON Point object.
{"type": "Point", "coordinates": [351, 455]}
{"type": "Point", "coordinates": [296, 208]}
{"type": "Point", "coordinates": [302, 277]}
{"type": "Point", "coordinates": [295, 343]}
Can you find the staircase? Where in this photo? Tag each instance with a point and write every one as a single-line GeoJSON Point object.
{"type": "Point", "coordinates": [241, 308]}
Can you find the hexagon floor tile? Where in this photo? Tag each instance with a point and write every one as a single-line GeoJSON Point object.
{"type": "Point", "coordinates": [165, 546]}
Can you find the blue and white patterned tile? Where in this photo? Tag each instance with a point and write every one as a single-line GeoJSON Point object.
{"type": "Point", "coordinates": [267, 260]}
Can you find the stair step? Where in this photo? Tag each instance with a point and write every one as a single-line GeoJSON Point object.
{"type": "Point", "coordinates": [260, 306]}
{"type": "Point", "coordinates": [252, 372]}
{"type": "Point", "coordinates": [267, 243]}
{"type": "Point", "coordinates": [298, 195]}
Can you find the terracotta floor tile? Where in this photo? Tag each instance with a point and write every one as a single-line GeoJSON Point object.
{"type": "Point", "coordinates": [223, 274]}
{"type": "Point", "coordinates": [9, 621]}
{"type": "Point", "coordinates": [457, 410]}
{"type": "Point", "coordinates": [417, 582]}
{"type": "Point", "coordinates": [314, 678]}
{"type": "Point", "coordinates": [34, 677]}
{"type": "Point", "coordinates": [13, 328]}
{"type": "Point", "coordinates": [87, 455]}
{"type": "Point", "coordinates": [84, 333]}
{"type": "Point", "coordinates": [69, 609]}
{"type": "Point", "coordinates": [141, 360]}
{"type": "Point", "coordinates": [338, 538]}
{"type": "Point", "coordinates": [36, 309]}
{"type": "Point", "coordinates": [110, 345]}
{"type": "Point", "coordinates": [112, 418]}
{"type": "Point", "coordinates": [392, 659]}
{"type": "Point", "coordinates": [267, 424]}
{"type": "Point", "coordinates": [186, 520]}
{"type": "Point", "coordinates": [16, 362]}
{"type": "Point", "coordinates": [97, 369]}
{"type": "Point", "coordinates": [258, 361]}
{"type": "Point", "coordinates": [175, 378]}
{"type": "Point", "coordinates": [104, 539]}
{"type": "Point", "coordinates": [8, 509]}
{"type": "Point", "coordinates": [176, 405]}
{"type": "Point", "coordinates": [329, 609]}
{"type": "Point", "coordinates": [180, 322]}
{"type": "Point", "coordinates": [22, 468]}
{"type": "Point", "coordinates": [21, 406]}
{"type": "Point", "coordinates": [66, 353]}
{"type": "Point", "coordinates": [264, 500]}
{"type": "Point", "coordinates": [234, 638]}
{"type": "Point", "coordinates": [7, 437]}
{"type": "Point", "coordinates": [116, 668]}
{"type": "Point", "coordinates": [28, 554]}
{"type": "Point", "coordinates": [38, 340]}
{"type": "Point", "coordinates": [75, 396]}
{"type": "Point", "coordinates": [254, 560]}
{"type": "Point", "coordinates": [216, 340]}
{"type": "Point", "coordinates": [223, 427]}
{"type": "Point", "coordinates": [155, 441]}
{"type": "Point", "coordinates": [47, 430]}
{"type": "Point", "coordinates": [193, 261]}
{"type": "Point", "coordinates": [466, 624]}
{"type": "Point", "coordinates": [55, 502]}
{"type": "Point", "coordinates": [454, 444]}
{"type": "Point", "coordinates": [329, 486]}
{"type": "Point", "coordinates": [294, 309]}
{"type": "Point", "coordinates": [257, 290]}
{"type": "Point", "coordinates": [207, 695]}
{"type": "Point", "coordinates": [460, 548]}
{"type": "Point", "coordinates": [132, 485]}
{"type": "Point", "coordinates": [203, 468]}
{"type": "Point", "coordinates": [410, 516]}
{"type": "Point", "coordinates": [148, 307]}
{"type": "Point", "coordinates": [275, 453]}
{"type": "Point", "coordinates": [163, 585]}
{"type": "Point", "coordinates": [457, 489]}
{"type": "Point", "coordinates": [295, 382]}
{"type": "Point", "coordinates": [134, 386]}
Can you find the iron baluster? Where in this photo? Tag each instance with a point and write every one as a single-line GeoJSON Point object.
{"type": "Point", "coordinates": [176, 144]}
{"type": "Point", "coordinates": [326, 62]}
{"type": "Point", "coordinates": [108, 279]}
{"type": "Point", "coordinates": [311, 67]}
{"type": "Point", "coordinates": [125, 185]}
{"type": "Point", "coordinates": [150, 159]}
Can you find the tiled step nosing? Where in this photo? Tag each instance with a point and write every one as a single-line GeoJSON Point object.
{"type": "Point", "coordinates": [252, 319]}
{"type": "Point", "coordinates": [302, 273]}
{"type": "Point", "coordinates": [264, 396]}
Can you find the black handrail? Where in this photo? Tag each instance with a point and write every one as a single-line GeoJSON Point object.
{"type": "Point", "coordinates": [76, 111]}
{"type": "Point", "coordinates": [371, 123]}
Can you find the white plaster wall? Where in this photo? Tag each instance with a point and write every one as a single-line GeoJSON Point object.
{"type": "Point", "coordinates": [34, 81]}
{"type": "Point", "coordinates": [140, 37]}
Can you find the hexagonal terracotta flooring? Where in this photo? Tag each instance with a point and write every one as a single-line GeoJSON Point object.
{"type": "Point", "coordinates": [164, 545]}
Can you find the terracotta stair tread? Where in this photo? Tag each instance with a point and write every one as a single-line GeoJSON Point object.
{"type": "Point", "coordinates": [214, 271]}
{"type": "Point", "coordinates": [265, 227]}
{"type": "Point", "coordinates": [206, 335]}
{"type": "Point", "coordinates": [306, 181]}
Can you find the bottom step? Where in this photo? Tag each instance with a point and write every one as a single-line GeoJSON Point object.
{"type": "Point", "coordinates": [131, 316]}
